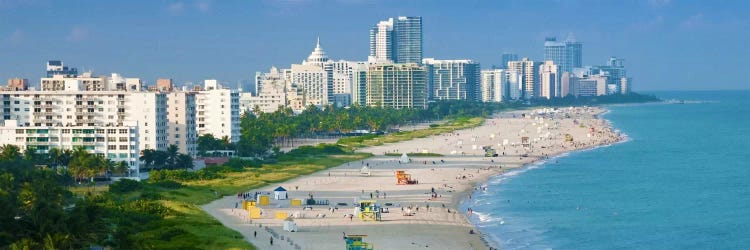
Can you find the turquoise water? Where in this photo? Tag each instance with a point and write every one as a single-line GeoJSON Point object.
{"type": "Point", "coordinates": [681, 181]}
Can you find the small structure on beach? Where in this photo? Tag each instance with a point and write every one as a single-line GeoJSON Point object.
{"type": "Point", "coordinates": [525, 142]}
{"type": "Point", "coordinates": [368, 210]}
{"type": "Point", "coordinates": [365, 171]}
{"type": "Point", "coordinates": [280, 193]}
{"type": "Point", "coordinates": [355, 242]}
{"type": "Point", "coordinates": [402, 178]}
{"type": "Point", "coordinates": [404, 159]}
{"type": "Point", "coordinates": [290, 225]}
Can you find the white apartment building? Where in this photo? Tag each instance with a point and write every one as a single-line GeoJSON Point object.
{"type": "Point", "coordinates": [181, 111]}
{"type": "Point", "coordinates": [529, 71]}
{"type": "Point", "coordinates": [87, 82]}
{"type": "Point", "coordinates": [218, 111]}
{"type": "Point", "coordinates": [271, 95]}
{"type": "Point", "coordinates": [453, 79]}
{"type": "Point", "coordinates": [311, 82]}
{"type": "Point", "coordinates": [495, 87]}
{"type": "Point", "coordinates": [117, 143]}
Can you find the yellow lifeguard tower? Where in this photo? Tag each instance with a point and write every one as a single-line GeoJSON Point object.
{"type": "Point", "coordinates": [369, 210]}
{"type": "Point", "coordinates": [252, 210]}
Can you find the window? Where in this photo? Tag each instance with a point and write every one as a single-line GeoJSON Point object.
{"type": "Point", "coordinates": [123, 147]}
{"type": "Point", "coordinates": [111, 147]}
{"type": "Point", "coordinates": [123, 131]}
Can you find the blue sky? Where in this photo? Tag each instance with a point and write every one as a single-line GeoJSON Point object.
{"type": "Point", "coordinates": [667, 44]}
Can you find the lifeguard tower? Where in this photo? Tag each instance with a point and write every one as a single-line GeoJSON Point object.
{"type": "Point", "coordinates": [369, 210]}
{"type": "Point", "coordinates": [525, 142]}
{"type": "Point", "coordinates": [402, 178]}
{"type": "Point", "coordinates": [354, 242]}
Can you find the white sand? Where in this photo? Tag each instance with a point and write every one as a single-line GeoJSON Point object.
{"type": "Point", "coordinates": [464, 166]}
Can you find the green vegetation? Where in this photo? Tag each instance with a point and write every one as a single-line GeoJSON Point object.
{"type": "Point", "coordinates": [170, 159]}
{"type": "Point", "coordinates": [163, 213]}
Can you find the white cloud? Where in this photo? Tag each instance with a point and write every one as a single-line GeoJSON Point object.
{"type": "Point", "coordinates": [176, 8]}
{"type": "Point", "coordinates": [16, 37]}
{"type": "Point", "coordinates": [203, 5]}
{"type": "Point", "coordinates": [77, 34]}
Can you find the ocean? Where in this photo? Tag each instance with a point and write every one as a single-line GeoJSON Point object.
{"type": "Point", "coordinates": [680, 181]}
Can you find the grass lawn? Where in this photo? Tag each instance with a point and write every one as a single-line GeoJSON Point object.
{"type": "Point", "coordinates": [377, 140]}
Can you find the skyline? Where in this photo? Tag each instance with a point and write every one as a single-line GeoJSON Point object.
{"type": "Point", "coordinates": [666, 45]}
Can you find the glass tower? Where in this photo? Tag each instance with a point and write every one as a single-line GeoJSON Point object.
{"type": "Point", "coordinates": [397, 40]}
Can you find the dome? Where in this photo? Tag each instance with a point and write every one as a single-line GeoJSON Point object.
{"type": "Point", "coordinates": [318, 55]}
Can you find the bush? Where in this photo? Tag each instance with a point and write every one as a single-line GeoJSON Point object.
{"type": "Point", "coordinates": [124, 186]}
{"type": "Point", "coordinates": [151, 195]}
{"type": "Point", "coordinates": [168, 184]}
{"type": "Point", "coordinates": [240, 164]}
{"type": "Point", "coordinates": [434, 125]}
{"type": "Point", "coordinates": [147, 207]}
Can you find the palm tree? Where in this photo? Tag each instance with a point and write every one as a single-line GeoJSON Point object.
{"type": "Point", "coordinates": [10, 152]}
{"type": "Point", "coordinates": [184, 161]}
{"type": "Point", "coordinates": [172, 153]}
{"type": "Point", "coordinates": [148, 156]}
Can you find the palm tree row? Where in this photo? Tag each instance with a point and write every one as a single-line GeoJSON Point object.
{"type": "Point", "coordinates": [169, 159]}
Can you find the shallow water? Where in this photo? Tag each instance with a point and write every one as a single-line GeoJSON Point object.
{"type": "Point", "coordinates": [681, 180]}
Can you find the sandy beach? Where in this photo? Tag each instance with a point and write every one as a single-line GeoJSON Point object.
{"type": "Point", "coordinates": [422, 215]}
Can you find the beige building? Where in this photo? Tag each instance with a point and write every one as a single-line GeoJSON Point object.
{"type": "Point", "coordinates": [181, 121]}
{"type": "Point", "coordinates": [397, 86]}
{"type": "Point", "coordinates": [549, 86]}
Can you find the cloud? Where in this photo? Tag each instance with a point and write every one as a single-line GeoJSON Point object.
{"type": "Point", "coordinates": [16, 37]}
{"type": "Point", "coordinates": [203, 5]}
{"type": "Point", "coordinates": [77, 34]}
{"type": "Point", "coordinates": [176, 8]}
{"type": "Point", "coordinates": [694, 21]}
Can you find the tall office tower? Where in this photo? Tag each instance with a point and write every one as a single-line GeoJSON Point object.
{"type": "Point", "coordinates": [218, 111]}
{"type": "Point", "coordinates": [57, 67]}
{"type": "Point", "coordinates": [453, 79]}
{"type": "Point", "coordinates": [507, 57]}
{"type": "Point", "coordinates": [549, 80]}
{"type": "Point", "coordinates": [396, 86]}
{"type": "Point", "coordinates": [494, 85]}
{"type": "Point", "coordinates": [529, 72]}
{"type": "Point", "coordinates": [181, 117]}
{"type": "Point", "coordinates": [397, 40]}
{"type": "Point", "coordinates": [567, 54]}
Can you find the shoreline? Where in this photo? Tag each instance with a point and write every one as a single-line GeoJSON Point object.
{"type": "Point", "coordinates": [342, 184]}
{"type": "Point", "coordinates": [464, 202]}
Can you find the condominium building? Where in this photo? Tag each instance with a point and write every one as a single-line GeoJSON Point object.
{"type": "Point", "coordinates": [453, 79]}
{"type": "Point", "coordinates": [529, 72]}
{"type": "Point", "coordinates": [495, 87]}
{"type": "Point", "coordinates": [181, 117]}
{"type": "Point", "coordinates": [87, 82]}
{"type": "Point", "coordinates": [396, 86]}
{"type": "Point", "coordinates": [507, 57]}
{"type": "Point", "coordinates": [549, 80]}
{"type": "Point", "coordinates": [218, 111]}
{"type": "Point", "coordinates": [116, 142]}
{"type": "Point", "coordinates": [271, 96]}
{"type": "Point", "coordinates": [397, 40]}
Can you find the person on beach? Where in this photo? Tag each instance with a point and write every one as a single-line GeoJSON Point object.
{"type": "Point", "coordinates": [255, 234]}
{"type": "Point", "coordinates": [271, 240]}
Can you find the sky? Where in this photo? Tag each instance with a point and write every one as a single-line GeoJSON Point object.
{"type": "Point", "coordinates": [666, 44]}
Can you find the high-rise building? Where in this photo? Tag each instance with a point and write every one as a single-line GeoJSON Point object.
{"type": "Point", "coordinates": [549, 80]}
{"type": "Point", "coordinates": [57, 67]}
{"type": "Point", "coordinates": [397, 40]}
{"type": "Point", "coordinates": [397, 86]}
{"type": "Point", "coordinates": [494, 85]}
{"type": "Point", "coordinates": [453, 79]}
{"type": "Point", "coordinates": [181, 118]}
{"type": "Point", "coordinates": [218, 111]}
{"type": "Point", "coordinates": [271, 96]}
{"type": "Point", "coordinates": [507, 57]}
{"type": "Point", "coordinates": [529, 72]}
{"type": "Point", "coordinates": [87, 82]}
{"type": "Point", "coordinates": [614, 70]}
{"type": "Point", "coordinates": [567, 55]}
